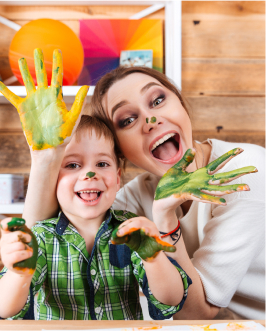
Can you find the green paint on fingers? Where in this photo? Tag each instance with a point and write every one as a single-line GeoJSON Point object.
{"type": "Point", "coordinates": [29, 265]}
{"type": "Point", "coordinates": [179, 183]}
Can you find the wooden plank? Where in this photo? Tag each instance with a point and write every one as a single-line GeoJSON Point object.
{"type": "Point", "coordinates": [73, 12]}
{"type": "Point", "coordinates": [210, 76]}
{"type": "Point", "coordinates": [223, 76]}
{"type": "Point", "coordinates": [14, 154]}
{"type": "Point", "coordinates": [231, 113]}
{"type": "Point", "coordinates": [250, 137]}
{"type": "Point", "coordinates": [234, 8]}
{"type": "Point", "coordinates": [206, 113]}
{"type": "Point", "coordinates": [210, 35]}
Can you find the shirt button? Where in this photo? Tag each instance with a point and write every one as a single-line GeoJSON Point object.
{"type": "Point", "coordinates": [98, 310]}
{"type": "Point", "coordinates": [93, 272]}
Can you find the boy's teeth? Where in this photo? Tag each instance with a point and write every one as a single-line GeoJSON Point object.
{"type": "Point", "coordinates": [90, 191]}
{"type": "Point", "coordinates": [162, 140]}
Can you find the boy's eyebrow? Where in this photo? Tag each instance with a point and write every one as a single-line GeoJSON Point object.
{"type": "Point", "coordinates": [72, 155]}
{"type": "Point", "coordinates": [106, 154]}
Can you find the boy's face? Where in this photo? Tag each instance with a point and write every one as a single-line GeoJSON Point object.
{"type": "Point", "coordinates": [79, 196]}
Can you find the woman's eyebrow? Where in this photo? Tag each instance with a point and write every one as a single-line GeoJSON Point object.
{"type": "Point", "coordinates": [118, 105]}
{"type": "Point", "coordinates": [147, 86]}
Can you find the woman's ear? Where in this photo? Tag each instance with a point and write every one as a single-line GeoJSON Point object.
{"type": "Point", "coordinates": [118, 179]}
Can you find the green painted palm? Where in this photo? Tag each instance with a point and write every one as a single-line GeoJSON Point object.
{"type": "Point", "coordinates": [202, 184]}
{"type": "Point", "coordinates": [146, 246]}
{"type": "Point", "coordinates": [45, 119]}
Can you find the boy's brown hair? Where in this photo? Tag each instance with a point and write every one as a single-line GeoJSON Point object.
{"type": "Point", "coordinates": [89, 123]}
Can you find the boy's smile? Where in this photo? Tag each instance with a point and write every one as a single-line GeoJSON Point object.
{"type": "Point", "coordinates": [84, 197]}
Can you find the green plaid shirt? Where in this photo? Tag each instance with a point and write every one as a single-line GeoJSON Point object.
{"type": "Point", "coordinates": [73, 285]}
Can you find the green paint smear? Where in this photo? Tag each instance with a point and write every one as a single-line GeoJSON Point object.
{"type": "Point", "coordinates": [90, 174]}
{"type": "Point", "coordinates": [18, 224]}
{"type": "Point", "coordinates": [41, 115]}
{"type": "Point", "coordinates": [146, 246]}
{"type": "Point", "coordinates": [147, 120]}
{"type": "Point", "coordinates": [153, 119]}
{"type": "Point", "coordinates": [176, 181]}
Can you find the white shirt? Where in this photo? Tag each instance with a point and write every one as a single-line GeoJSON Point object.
{"type": "Point", "coordinates": [226, 243]}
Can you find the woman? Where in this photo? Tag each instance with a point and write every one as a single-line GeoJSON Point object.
{"type": "Point", "coordinates": [224, 245]}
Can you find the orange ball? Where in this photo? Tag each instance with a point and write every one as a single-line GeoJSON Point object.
{"type": "Point", "coordinates": [48, 35]}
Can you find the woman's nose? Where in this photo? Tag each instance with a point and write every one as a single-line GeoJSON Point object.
{"type": "Point", "coordinates": [150, 124]}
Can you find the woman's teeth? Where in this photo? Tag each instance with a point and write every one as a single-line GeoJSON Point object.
{"type": "Point", "coordinates": [162, 140]}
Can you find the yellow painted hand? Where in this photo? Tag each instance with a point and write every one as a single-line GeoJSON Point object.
{"type": "Point", "coordinates": [45, 120]}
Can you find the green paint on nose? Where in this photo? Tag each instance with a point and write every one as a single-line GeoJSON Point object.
{"type": "Point", "coordinates": [147, 119]}
{"type": "Point", "coordinates": [153, 119]}
{"type": "Point", "coordinates": [90, 174]}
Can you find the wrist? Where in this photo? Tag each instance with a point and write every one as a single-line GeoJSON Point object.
{"type": "Point", "coordinates": [49, 156]}
{"type": "Point", "coordinates": [165, 220]}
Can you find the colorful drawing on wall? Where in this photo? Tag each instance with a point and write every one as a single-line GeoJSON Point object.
{"type": "Point", "coordinates": [103, 40]}
{"type": "Point", "coordinates": [136, 58]}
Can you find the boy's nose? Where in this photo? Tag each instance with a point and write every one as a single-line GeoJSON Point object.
{"type": "Point", "coordinates": [90, 174]}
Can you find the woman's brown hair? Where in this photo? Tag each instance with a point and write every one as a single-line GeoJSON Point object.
{"type": "Point", "coordinates": [117, 74]}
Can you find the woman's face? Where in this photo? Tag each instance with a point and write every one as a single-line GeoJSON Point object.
{"type": "Point", "coordinates": [152, 126]}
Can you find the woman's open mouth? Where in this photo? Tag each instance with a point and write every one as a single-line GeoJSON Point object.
{"type": "Point", "coordinates": [89, 195]}
{"type": "Point", "coordinates": [167, 148]}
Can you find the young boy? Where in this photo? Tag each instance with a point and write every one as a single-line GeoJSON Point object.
{"type": "Point", "coordinates": [80, 274]}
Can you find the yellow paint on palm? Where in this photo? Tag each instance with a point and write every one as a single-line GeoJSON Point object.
{"type": "Point", "coordinates": [45, 119]}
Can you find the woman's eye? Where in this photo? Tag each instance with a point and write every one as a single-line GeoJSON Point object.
{"type": "Point", "coordinates": [126, 122]}
{"type": "Point", "coordinates": [102, 164]}
{"type": "Point", "coordinates": [72, 166]}
{"type": "Point", "coordinates": [158, 100]}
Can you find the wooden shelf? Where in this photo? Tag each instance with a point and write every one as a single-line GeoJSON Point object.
{"type": "Point", "coordinates": [12, 208]}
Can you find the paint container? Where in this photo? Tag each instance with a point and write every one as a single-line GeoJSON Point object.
{"type": "Point", "coordinates": [11, 188]}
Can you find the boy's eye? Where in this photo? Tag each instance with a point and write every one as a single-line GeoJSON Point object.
{"type": "Point", "coordinates": [72, 166]}
{"type": "Point", "coordinates": [158, 100]}
{"type": "Point", "coordinates": [102, 164]}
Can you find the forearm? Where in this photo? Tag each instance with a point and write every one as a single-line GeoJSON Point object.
{"type": "Point", "coordinates": [14, 291]}
{"type": "Point", "coordinates": [164, 280]}
{"type": "Point", "coordinates": [41, 202]}
{"type": "Point", "coordinates": [196, 305]}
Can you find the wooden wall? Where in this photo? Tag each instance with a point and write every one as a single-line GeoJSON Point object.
{"type": "Point", "coordinates": [223, 72]}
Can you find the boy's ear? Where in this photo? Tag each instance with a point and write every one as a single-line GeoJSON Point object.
{"type": "Point", "coordinates": [118, 179]}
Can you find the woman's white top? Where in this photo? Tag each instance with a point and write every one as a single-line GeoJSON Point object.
{"type": "Point", "coordinates": [225, 243]}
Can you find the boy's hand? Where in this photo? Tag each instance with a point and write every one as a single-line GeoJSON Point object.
{"type": "Point", "coordinates": [45, 120]}
{"type": "Point", "coordinates": [176, 186]}
{"type": "Point", "coordinates": [19, 248]}
{"type": "Point", "coordinates": [142, 236]}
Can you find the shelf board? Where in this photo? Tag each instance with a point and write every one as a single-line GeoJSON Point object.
{"type": "Point", "coordinates": [69, 93]}
{"type": "Point", "coordinates": [12, 208]}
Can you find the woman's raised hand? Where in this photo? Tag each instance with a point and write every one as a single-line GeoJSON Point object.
{"type": "Point", "coordinates": [142, 236]}
{"type": "Point", "coordinates": [45, 120]}
{"type": "Point", "coordinates": [201, 185]}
